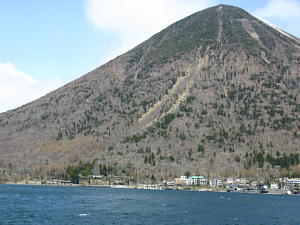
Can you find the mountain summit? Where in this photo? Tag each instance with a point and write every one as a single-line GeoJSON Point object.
{"type": "Point", "coordinates": [216, 93]}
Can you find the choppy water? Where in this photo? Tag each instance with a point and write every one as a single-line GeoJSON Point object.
{"type": "Point", "coordinates": [85, 205]}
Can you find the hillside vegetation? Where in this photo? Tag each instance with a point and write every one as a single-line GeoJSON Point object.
{"type": "Point", "coordinates": [217, 93]}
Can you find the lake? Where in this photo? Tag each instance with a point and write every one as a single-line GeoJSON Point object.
{"type": "Point", "coordinates": [20, 204]}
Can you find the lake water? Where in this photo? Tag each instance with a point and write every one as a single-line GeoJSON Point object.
{"type": "Point", "coordinates": [89, 205]}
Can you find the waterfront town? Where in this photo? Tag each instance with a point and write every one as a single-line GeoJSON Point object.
{"type": "Point", "coordinates": [195, 183]}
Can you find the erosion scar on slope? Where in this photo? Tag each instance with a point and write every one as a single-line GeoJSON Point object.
{"type": "Point", "coordinates": [220, 9]}
{"type": "Point", "coordinates": [171, 101]}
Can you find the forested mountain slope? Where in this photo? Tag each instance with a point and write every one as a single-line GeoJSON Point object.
{"type": "Point", "coordinates": [217, 93]}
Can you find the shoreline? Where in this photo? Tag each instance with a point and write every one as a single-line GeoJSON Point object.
{"type": "Point", "coordinates": [144, 187]}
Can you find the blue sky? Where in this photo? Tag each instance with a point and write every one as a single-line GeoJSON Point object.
{"type": "Point", "coordinates": [45, 44]}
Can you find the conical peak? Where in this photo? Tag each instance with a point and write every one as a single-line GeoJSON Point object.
{"type": "Point", "coordinates": [199, 30]}
{"type": "Point", "coordinates": [230, 11]}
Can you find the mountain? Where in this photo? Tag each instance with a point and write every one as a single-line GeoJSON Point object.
{"type": "Point", "coordinates": [217, 93]}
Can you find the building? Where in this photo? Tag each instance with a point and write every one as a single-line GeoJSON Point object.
{"type": "Point", "coordinates": [181, 180]}
{"type": "Point", "coordinates": [289, 182]}
{"type": "Point", "coordinates": [241, 181]}
{"type": "Point", "coordinates": [274, 186]}
{"type": "Point", "coordinates": [169, 182]}
{"type": "Point", "coordinates": [254, 184]}
{"type": "Point", "coordinates": [215, 183]}
{"type": "Point", "coordinates": [196, 180]}
{"type": "Point", "coordinates": [230, 180]}
{"type": "Point", "coordinates": [97, 176]}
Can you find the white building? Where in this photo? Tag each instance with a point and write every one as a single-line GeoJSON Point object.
{"type": "Point", "coordinates": [215, 182]}
{"type": "Point", "coordinates": [290, 181]}
{"type": "Point", "coordinates": [274, 186]}
{"type": "Point", "coordinates": [181, 180]}
{"type": "Point", "coordinates": [196, 180]}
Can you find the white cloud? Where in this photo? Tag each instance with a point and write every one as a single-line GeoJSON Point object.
{"type": "Point", "coordinates": [285, 13]}
{"type": "Point", "coordinates": [133, 21]}
{"type": "Point", "coordinates": [18, 88]}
